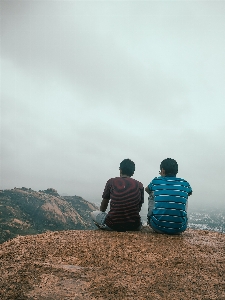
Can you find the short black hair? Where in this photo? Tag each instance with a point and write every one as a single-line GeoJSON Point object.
{"type": "Point", "coordinates": [170, 166]}
{"type": "Point", "coordinates": [127, 167]}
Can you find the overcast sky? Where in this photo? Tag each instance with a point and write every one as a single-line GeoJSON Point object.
{"type": "Point", "coordinates": [85, 84]}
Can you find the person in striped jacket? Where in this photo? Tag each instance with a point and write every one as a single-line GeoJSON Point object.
{"type": "Point", "coordinates": [168, 200]}
{"type": "Point", "coordinates": [126, 196]}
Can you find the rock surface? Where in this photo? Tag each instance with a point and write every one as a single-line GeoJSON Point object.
{"type": "Point", "coordinates": [24, 211]}
{"type": "Point", "coordinates": [113, 265]}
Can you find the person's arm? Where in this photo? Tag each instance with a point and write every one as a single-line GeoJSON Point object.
{"type": "Point", "coordinates": [147, 190]}
{"type": "Point", "coordinates": [190, 191]}
{"type": "Point", "coordinates": [104, 204]}
{"type": "Point", "coordinates": [142, 198]}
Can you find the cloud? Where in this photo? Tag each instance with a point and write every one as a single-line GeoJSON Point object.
{"type": "Point", "coordinates": [92, 60]}
{"type": "Point", "coordinates": [87, 84]}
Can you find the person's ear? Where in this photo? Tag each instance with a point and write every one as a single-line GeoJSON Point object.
{"type": "Point", "coordinates": [163, 172]}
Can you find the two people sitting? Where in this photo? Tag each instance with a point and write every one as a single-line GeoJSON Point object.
{"type": "Point", "coordinates": [167, 201]}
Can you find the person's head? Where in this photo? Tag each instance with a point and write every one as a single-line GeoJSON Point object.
{"type": "Point", "coordinates": [168, 167]}
{"type": "Point", "coordinates": [127, 167]}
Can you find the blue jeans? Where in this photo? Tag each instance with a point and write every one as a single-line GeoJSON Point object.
{"type": "Point", "coordinates": [99, 218]}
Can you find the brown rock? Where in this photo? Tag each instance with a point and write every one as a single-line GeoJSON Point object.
{"type": "Point", "coordinates": [113, 265]}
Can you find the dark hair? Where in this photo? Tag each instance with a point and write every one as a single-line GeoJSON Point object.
{"type": "Point", "coordinates": [127, 167]}
{"type": "Point", "coordinates": [170, 166]}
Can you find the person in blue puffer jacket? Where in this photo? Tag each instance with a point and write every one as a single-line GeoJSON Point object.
{"type": "Point", "coordinates": [168, 199]}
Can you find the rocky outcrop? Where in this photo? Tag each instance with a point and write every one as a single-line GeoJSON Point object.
{"type": "Point", "coordinates": [24, 211]}
{"type": "Point", "coordinates": [113, 265]}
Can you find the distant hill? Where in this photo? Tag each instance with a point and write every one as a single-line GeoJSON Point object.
{"type": "Point", "coordinates": [24, 212]}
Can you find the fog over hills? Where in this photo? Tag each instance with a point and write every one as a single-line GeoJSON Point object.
{"type": "Point", "coordinates": [207, 219]}
{"type": "Point", "coordinates": [24, 211]}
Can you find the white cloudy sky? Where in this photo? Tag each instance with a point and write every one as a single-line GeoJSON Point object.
{"type": "Point", "coordinates": [85, 84]}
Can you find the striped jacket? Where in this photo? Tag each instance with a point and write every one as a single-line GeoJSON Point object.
{"type": "Point", "coordinates": [169, 213]}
